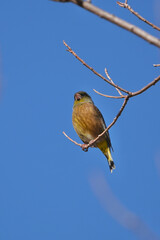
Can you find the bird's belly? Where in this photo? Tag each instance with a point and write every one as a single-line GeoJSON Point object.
{"type": "Point", "coordinates": [86, 122]}
{"type": "Point", "coordinates": [81, 126]}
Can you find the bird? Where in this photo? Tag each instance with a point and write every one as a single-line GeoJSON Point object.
{"type": "Point", "coordinates": [88, 123]}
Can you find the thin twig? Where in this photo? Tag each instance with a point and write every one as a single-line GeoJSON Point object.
{"type": "Point", "coordinates": [104, 95]}
{"type": "Point", "coordinates": [118, 21]}
{"type": "Point", "coordinates": [110, 81]}
{"type": "Point", "coordinates": [126, 98]}
{"type": "Point", "coordinates": [133, 94]}
{"type": "Point", "coordinates": [156, 65]}
{"type": "Point", "coordinates": [107, 74]}
{"type": "Point", "coordinates": [146, 87]}
{"type": "Point", "coordinates": [78, 144]}
{"type": "Point", "coordinates": [96, 73]}
{"type": "Point", "coordinates": [125, 5]}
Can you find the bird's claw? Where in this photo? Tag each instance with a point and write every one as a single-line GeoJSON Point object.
{"type": "Point", "coordinates": [84, 147]}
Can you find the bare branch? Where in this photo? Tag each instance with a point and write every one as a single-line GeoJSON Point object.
{"type": "Point", "coordinates": [118, 115]}
{"type": "Point", "coordinates": [104, 95]}
{"type": "Point", "coordinates": [125, 5]}
{"type": "Point", "coordinates": [110, 81]}
{"type": "Point", "coordinates": [146, 87]}
{"type": "Point", "coordinates": [118, 21]}
{"type": "Point", "coordinates": [96, 73]}
{"type": "Point", "coordinates": [133, 94]}
{"type": "Point", "coordinates": [78, 144]}
{"type": "Point", "coordinates": [107, 74]}
{"type": "Point", "coordinates": [126, 98]}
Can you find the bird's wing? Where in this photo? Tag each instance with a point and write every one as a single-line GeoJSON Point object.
{"type": "Point", "coordinates": [100, 118]}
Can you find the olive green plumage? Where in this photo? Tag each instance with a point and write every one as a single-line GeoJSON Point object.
{"type": "Point", "coordinates": [88, 122]}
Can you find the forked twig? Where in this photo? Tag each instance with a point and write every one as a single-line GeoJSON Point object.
{"type": "Point", "coordinates": [125, 5]}
{"type": "Point", "coordinates": [90, 68]}
{"type": "Point", "coordinates": [104, 95]}
{"type": "Point", "coordinates": [119, 89]}
{"type": "Point", "coordinates": [107, 74]}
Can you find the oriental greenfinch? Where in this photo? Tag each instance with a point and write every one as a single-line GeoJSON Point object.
{"type": "Point", "coordinates": [88, 123]}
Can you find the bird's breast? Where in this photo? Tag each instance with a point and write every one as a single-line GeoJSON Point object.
{"type": "Point", "coordinates": [86, 122]}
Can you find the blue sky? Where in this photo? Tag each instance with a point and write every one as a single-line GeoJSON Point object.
{"type": "Point", "coordinates": [50, 188]}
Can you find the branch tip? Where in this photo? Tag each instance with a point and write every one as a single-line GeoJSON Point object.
{"type": "Point", "coordinates": [125, 5]}
{"type": "Point", "coordinates": [120, 4]}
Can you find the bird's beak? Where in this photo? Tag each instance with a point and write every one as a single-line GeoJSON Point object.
{"type": "Point", "coordinates": [77, 96]}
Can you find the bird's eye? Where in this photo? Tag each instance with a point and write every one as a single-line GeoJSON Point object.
{"type": "Point", "coordinates": [77, 97]}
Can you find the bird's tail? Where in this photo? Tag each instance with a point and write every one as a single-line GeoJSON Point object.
{"type": "Point", "coordinates": [108, 155]}
{"type": "Point", "coordinates": [106, 151]}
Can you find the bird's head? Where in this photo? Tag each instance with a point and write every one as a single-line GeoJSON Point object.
{"type": "Point", "coordinates": [81, 97]}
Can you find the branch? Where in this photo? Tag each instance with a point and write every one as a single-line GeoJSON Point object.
{"type": "Point", "coordinates": [107, 74]}
{"type": "Point", "coordinates": [146, 87]}
{"type": "Point", "coordinates": [125, 5]}
{"type": "Point", "coordinates": [104, 95]}
{"type": "Point", "coordinates": [117, 21]}
{"type": "Point", "coordinates": [126, 98]}
{"type": "Point", "coordinates": [96, 73]}
{"type": "Point", "coordinates": [78, 144]}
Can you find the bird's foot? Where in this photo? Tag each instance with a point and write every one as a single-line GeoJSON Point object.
{"type": "Point", "coordinates": [84, 147]}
